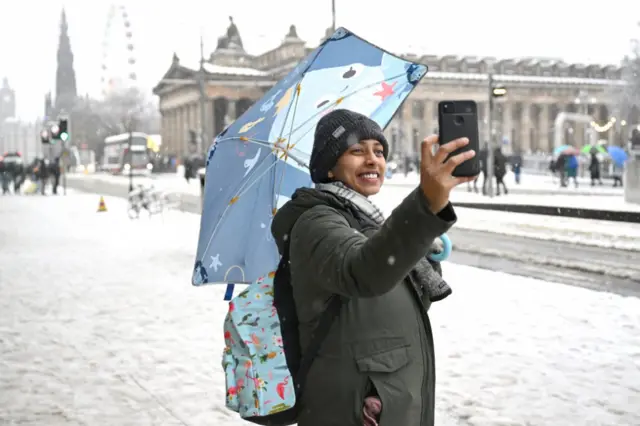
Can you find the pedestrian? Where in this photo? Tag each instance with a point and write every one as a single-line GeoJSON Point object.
{"type": "Point", "coordinates": [500, 170]}
{"type": "Point", "coordinates": [376, 365]}
{"type": "Point", "coordinates": [55, 173]}
{"type": "Point", "coordinates": [594, 169]}
{"type": "Point", "coordinates": [516, 166]}
{"type": "Point", "coordinates": [571, 168]}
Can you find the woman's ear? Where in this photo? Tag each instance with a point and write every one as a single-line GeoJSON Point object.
{"type": "Point", "coordinates": [330, 174]}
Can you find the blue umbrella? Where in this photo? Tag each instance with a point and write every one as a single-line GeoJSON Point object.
{"type": "Point", "coordinates": [256, 164]}
{"type": "Point", "coordinates": [617, 154]}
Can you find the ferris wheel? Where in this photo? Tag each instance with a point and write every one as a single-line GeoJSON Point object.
{"type": "Point", "coordinates": [118, 52]}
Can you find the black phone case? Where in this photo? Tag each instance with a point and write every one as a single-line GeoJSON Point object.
{"type": "Point", "coordinates": [460, 122]}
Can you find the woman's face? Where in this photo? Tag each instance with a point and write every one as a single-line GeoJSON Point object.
{"type": "Point", "coordinates": [362, 167]}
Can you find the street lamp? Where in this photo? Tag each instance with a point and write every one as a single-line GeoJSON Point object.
{"type": "Point", "coordinates": [130, 154]}
{"type": "Point", "coordinates": [333, 16]}
{"type": "Point", "coordinates": [495, 91]}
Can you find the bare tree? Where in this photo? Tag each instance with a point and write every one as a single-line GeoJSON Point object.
{"type": "Point", "coordinates": [121, 112]}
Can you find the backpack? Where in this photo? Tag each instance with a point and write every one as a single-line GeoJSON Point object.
{"type": "Point", "coordinates": [265, 370]}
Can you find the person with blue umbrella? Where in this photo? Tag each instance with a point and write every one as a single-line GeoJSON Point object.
{"type": "Point", "coordinates": [618, 158]}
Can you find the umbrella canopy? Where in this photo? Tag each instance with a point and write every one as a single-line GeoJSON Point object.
{"type": "Point", "coordinates": [617, 154]}
{"type": "Point", "coordinates": [256, 164]}
{"type": "Point", "coordinates": [565, 149]}
{"type": "Point", "coordinates": [593, 149]}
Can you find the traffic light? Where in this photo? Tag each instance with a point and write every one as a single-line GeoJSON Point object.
{"type": "Point", "coordinates": [44, 137]}
{"type": "Point", "coordinates": [59, 131]}
{"type": "Point", "coordinates": [54, 134]}
{"type": "Point", "coordinates": [63, 126]}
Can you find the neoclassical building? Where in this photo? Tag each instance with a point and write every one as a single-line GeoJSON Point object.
{"type": "Point", "coordinates": [537, 90]}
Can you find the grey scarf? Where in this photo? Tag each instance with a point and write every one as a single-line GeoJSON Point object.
{"type": "Point", "coordinates": [424, 272]}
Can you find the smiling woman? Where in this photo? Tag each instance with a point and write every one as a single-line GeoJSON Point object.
{"type": "Point", "coordinates": [376, 364]}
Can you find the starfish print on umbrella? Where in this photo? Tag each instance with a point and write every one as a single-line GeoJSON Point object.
{"type": "Point", "coordinates": [386, 91]}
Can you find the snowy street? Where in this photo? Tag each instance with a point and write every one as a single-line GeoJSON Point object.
{"type": "Point", "coordinates": [593, 253]}
{"type": "Point", "coordinates": [99, 325]}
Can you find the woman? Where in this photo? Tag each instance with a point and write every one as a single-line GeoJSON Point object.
{"type": "Point", "coordinates": [376, 366]}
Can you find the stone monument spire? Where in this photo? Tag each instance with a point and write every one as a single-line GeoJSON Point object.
{"type": "Point", "coordinates": [66, 90]}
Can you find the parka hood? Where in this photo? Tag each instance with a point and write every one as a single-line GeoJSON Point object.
{"type": "Point", "coordinates": [302, 200]}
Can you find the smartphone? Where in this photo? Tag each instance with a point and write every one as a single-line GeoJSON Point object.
{"type": "Point", "coordinates": [459, 119]}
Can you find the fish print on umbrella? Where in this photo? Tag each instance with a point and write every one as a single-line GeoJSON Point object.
{"type": "Point", "coordinates": [256, 163]}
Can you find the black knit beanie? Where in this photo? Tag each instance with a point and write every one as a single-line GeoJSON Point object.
{"type": "Point", "coordinates": [335, 133]}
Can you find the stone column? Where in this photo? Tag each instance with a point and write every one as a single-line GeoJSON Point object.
{"type": "Point", "coordinates": [231, 111]}
{"type": "Point", "coordinates": [483, 121]}
{"type": "Point", "coordinates": [171, 131]}
{"type": "Point", "coordinates": [544, 128]}
{"type": "Point", "coordinates": [163, 129]}
{"type": "Point", "coordinates": [182, 126]}
{"type": "Point", "coordinates": [525, 126]}
{"type": "Point", "coordinates": [409, 125]}
{"type": "Point", "coordinates": [507, 126]}
{"type": "Point", "coordinates": [398, 125]}
{"type": "Point", "coordinates": [195, 113]}
{"type": "Point", "coordinates": [176, 132]}
{"type": "Point", "coordinates": [428, 124]}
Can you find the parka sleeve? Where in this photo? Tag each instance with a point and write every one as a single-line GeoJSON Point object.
{"type": "Point", "coordinates": [346, 262]}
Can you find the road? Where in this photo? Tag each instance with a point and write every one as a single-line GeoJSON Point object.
{"type": "Point", "coordinates": [590, 267]}
{"type": "Point", "coordinates": [585, 266]}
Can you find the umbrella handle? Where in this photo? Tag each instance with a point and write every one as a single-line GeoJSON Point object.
{"type": "Point", "coordinates": [446, 252]}
{"type": "Point", "coordinates": [228, 294]}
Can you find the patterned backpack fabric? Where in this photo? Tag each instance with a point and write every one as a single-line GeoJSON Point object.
{"type": "Point", "coordinates": [262, 360]}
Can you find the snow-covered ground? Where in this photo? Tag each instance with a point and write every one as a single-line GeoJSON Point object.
{"type": "Point", "coordinates": [99, 325]}
{"type": "Point", "coordinates": [573, 230]}
{"type": "Point", "coordinates": [530, 182]}
{"type": "Point", "coordinates": [599, 233]}
{"type": "Point", "coordinates": [595, 202]}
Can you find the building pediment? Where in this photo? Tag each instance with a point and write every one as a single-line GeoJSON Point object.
{"type": "Point", "coordinates": [175, 73]}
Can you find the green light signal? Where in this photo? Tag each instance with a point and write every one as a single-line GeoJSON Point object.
{"type": "Point", "coordinates": [64, 137]}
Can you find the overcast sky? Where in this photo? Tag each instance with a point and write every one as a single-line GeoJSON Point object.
{"type": "Point", "coordinates": [568, 29]}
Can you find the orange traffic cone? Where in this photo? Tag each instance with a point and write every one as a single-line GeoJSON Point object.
{"type": "Point", "coordinates": [102, 207]}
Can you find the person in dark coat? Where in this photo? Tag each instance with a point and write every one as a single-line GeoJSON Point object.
{"type": "Point", "coordinates": [377, 364]}
{"type": "Point", "coordinates": [55, 173]}
{"type": "Point", "coordinates": [516, 166]}
{"type": "Point", "coordinates": [560, 169]}
{"type": "Point", "coordinates": [4, 176]}
{"type": "Point", "coordinates": [594, 169]}
{"type": "Point", "coordinates": [43, 175]}
{"type": "Point", "coordinates": [500, 170]}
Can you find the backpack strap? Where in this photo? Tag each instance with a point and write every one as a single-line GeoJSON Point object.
{"type": "Point", "coordinates": [324, 324]}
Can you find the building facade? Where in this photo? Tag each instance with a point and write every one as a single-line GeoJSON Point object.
{"type": "Point", "coordinates": [538, 90]}
{"type": "Point", "coordinates": [7, 101]}
{"type": "Point", "coordinates": [22, 137]}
